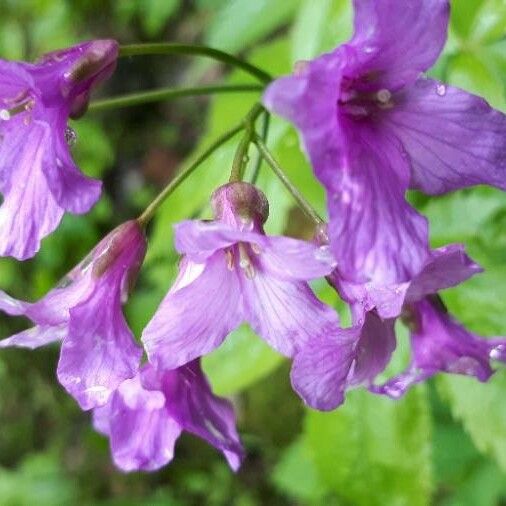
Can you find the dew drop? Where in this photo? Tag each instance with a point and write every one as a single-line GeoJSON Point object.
{"type": "Point", "coordinates": [441, 90]}
{"type": "Point", "coordinates": [5, 115]}
{"type": "Point", "coordinates": [70, 136]}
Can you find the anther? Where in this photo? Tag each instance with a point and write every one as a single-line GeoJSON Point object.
{"type": "Point", "coordinates": [230, 260]}
{"type": "Point", "coordinates": [245, 261]}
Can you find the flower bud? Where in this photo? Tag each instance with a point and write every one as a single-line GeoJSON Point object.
{"type": "Point", "coordinates": [240, 200]}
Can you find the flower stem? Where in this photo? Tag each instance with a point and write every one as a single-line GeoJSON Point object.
{"type": "Point", "coordinates": [241, 154]}
{"type": "Point", "coordinates": [299, 198]}
{"type": "Point", "coordinates": [149, 212]}
{"type": "Point", "coordinates": [147, 97]}
{"type": "Point", "coordinates": [215, 54]}
{"type": "Point", "coordinates": [265, 133]}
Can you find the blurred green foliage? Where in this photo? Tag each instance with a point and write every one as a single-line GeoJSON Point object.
{"type": "Point", "coordinates": [444, 444]}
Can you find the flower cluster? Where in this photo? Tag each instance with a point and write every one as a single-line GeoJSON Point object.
{"type": "Point", "coordinates": [372, 128]}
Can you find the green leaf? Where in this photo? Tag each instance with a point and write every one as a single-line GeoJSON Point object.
{"type": "Point", "coordinates": [463, 16]}
{"type": "Point", "coordinates": [242, 22]}
{"type": "Point", "coordinates": [320, 26]}
{"type": "Point", "coordinates": [296, 475]}
{"type": "Point", "coordinates": [375, 451]}
{"type": "Point", "coordinates": [470, 72]}
{"type": "Point", "coordinates": [239, 362]}
{"type": "Point", "coordinates": [446, 214]}
{"type": "Point", "coordinates": [481, 409]}
{"type": "Point", "coordinates": [155, 14]}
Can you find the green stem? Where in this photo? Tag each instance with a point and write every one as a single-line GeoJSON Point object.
{"type": "Point", "coordinates": [146, 97]}
{"type": "Point", "coordinates": [241, 154]}
{"type": "Point", "coordinates": [265, 133]}
{"type": "Point", "coordinates": [149, 212]}
{"type": "Point", "coordinates": [299, 198]}
{"type": "Point", "coordinates": [215, 54]}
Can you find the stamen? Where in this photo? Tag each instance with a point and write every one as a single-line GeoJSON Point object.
{"type": "Point", "coordinates": [245, 261]}
{"type": "Point", "coordinates": [256, 248]}
{"type": "Point", "coordinates": [230, 259]}
{"type": "Point", "coordinates": [7, 114]}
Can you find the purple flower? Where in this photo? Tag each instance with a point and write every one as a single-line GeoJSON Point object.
{"type": "Point", "coordinates": [373, 128]}
{"type": "Point", "coordinates": [440, 344]}
{"type": "Point", "coordinates": [324, 369]}
{"type": "Point", "coordinates": [38, 178]}
{"type": "Point", "coordinates": [232, 272]}
{"type": "Point", "coordinates": [146, 414]}
{"type": "Point", "coordinates": [84, 311]}
{"type": "Point", "coordinates": [327, 366]}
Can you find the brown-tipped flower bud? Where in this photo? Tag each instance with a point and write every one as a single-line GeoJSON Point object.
{"type": "Point", "coordinates": [240, 200]}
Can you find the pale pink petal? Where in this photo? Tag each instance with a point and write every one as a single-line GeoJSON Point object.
{"type": "Point", "coordinates": [29, 211]}
{"type": "Point", "coordinates": [36, 337]}
{"type": "Point", "coordinates": [195, 318]}
{"type": "Point", "coordinates": [99, 351]}
{"type": "Point", "coordinates": [285, 313]}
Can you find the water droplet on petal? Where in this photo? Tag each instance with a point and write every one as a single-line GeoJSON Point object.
{"type": "Point", "coordinates": [441, 90]}
{"type": "Point", "coordinates": [70, 136]}
{"type": "Point", "coordinates": [5, 115]}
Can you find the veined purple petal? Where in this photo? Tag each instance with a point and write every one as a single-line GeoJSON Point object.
{"type": "Point", "coordinates": [396, 42]}
{"type": "Point", "coordinates": [326, 367]}
{"type": "Point", "coordinates": [320, 370]}
{"type": "Point", "coordinates": [288, 258]}
{"type": "Point", "coordinates": [453, 139]}
{"type": "Point", "coordinates": [12, 306]}
{"type": "Point", "coordinates": [74, 192]}
{"type": "Point", "coordinates": [447, 267]}
{"type": "Point", "coordinates": [29, 211]}
{"type": "Point", "coordinates": [444, 268]}
{"type": "Point", "coordinates": [194, 319]}
{"type": "Point", "coordinates": [190, 401]}
{"type": "Point", "coordinates": [35, 337]}
{"type": "Point", "coordinates": [440, 344]}
{"type": "Point", "coordinates": [142, 435]}
{"type": "Point", "coordinates": [285, 312]}
{"type": "Point", "coordinates": [146, 415]}
{"type": "Point", "coordinates": [283, 256]}
{"type": "Point", "coordinates": [374, 233]}
{"type": "Point", "coordinates": [99, 351]}
{"type": "Point", "coordinates": [38, 178]}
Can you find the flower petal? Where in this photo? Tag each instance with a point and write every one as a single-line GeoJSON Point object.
{"type": "Point", "coordinates": [72, 190]}
{"type": "Point", "coordinates": [289, 258]}
{"type": "Point", "coordinates": [194, 319]}
{"type": "Point", "coordinates": [453, 139]}
{"type": "Point", "coordinates": [198, 240]}
{"type": "Point", "coordinates": [375, 234]}
{"type": "Point", "coordinates": [374, 349]}
{"type": "Point", "coordinates": [286, 313]}
{"type": "Point", "coordinates": [191, 402]}
{"type": "Point", "coordinates": [320, 370]}
{"type": "Point", "coordinates": [29, 211]}
{"type": "Point", "coordinates": [36, 337]}
{"type": "Point", "coordinates": [449, 266]}
{"type": "Point", "coordinates": [12, 306]}
{"type": "Point", "coordinates": [142, 434]}
{"type": "Point", "coordinates": [396, 41]}
{"type": "Point", "coordinates": [99, 351]}
{"type": "Point", "coordinates": [440, 344]}
{"type": "Point", "coordinates": [326, 367]}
